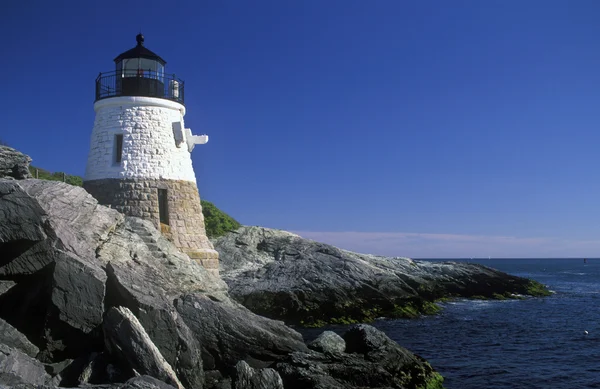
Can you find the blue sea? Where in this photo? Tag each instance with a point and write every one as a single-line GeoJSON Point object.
{"type": "Point", "coordinates": [533, 343]}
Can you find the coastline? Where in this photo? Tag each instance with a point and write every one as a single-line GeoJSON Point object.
{"type": "Point", "coordinates": [305, 283]}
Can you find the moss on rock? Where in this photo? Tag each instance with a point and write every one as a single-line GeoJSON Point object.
{"type": "Point", "coordinates": [537, 289]}
{"type": "Point", "coordinates": [434, 381]}
{"type": "Point", "coordinates": [351, 314]}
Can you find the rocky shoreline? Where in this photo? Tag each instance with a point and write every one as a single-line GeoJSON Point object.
{"type": "Point", "coordinates": [92, 298]}
{"type": "Point", "coordinates": [280, 275]}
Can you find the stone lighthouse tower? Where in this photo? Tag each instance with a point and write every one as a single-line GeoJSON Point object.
{"type": "Point", "coordinates": [140, 155]}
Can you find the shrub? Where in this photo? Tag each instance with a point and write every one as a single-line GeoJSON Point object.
{"type": "Point", "coordinates": [217, 222]}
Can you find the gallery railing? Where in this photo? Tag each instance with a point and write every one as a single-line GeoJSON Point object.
{"type": "Point", "coordinates": [139, 83]}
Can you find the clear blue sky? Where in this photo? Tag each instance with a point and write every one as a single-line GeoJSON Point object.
{"type": "Point", "coordinates": [423, 128]}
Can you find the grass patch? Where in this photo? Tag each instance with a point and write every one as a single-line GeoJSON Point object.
{"type": "Point", "coordinates": [43, 174]}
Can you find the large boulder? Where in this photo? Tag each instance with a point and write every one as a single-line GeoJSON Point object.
{"type": "Point", "coordinates": [13, 163]}
{"type": "Point", "coordinates": [229, 333]}
{"type": "Point", "coordinates": [23, 225]}
{"type": "Point", "coordinates": [372, 360]}
{"type": "Point", "coordinates": [146, 274]}
{"type": "Point", "coordinates": [283, 276]}
{"type": "Point", "coordinates": [127, 340]}
{"type": "Point", "coordinates": [328, 342]}
{"type": "Point", "coordinates": [16, 367]}
{"type": "Point", "coordinates": [52, 259]}
{"type": "Point", "coordinates": [11, 337]}
{"type": "Point", "coordinates": [246, 377]}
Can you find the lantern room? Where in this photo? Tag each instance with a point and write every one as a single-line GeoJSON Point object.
{"type": "Point", "coordinates": [140, 61]}
{"type": "Point", "coordinates": [139, 72]}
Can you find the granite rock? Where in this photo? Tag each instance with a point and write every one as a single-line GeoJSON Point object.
{"type": "Point", "coordinates": [283, 276]}
{"type": "Point", "coordinates": [13, 163]}
{"type": "Point", "coordinates": [127, 340]}
{"type": "Point", "coordinates": [328, 342]}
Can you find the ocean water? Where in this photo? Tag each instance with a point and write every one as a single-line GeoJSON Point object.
{"type": "Point", "coordinates": [533, 343]}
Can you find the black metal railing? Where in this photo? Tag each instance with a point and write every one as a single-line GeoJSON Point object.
{"type": "Point", "coordinates": [139, 83]}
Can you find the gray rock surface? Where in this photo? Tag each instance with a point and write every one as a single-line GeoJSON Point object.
{"type": "Point", "coordinates": [11, 337]}
{"type": "Point", "coordinates": [148, 284]}
{"type": "Point", "coordinates": [22, 226]}
{"type": "Point", "coordinates": [126, 339]}
{"type": "Point", "coordinates": [380, 363]}
{"type": "Point", "coordinates": [79, 222]}
{"type": "Point", "coordinates": [13, 163]}
{"type": "Point", "coordinates": [5, 286]}
{"type": "Point", "coordinates": [283, 276]}
{"type": "Point", "coordinates": [66, 225]}
{"type": "Point", "coordinates": [328, 342]}
{"type": "Point", "coordinates": [246, 377]}
{"type": "Point", "coordinates": [17, 367]}
{"type": "Point", "coordinates": [141, 382]}
{"type": "Point", "coordinates": [229, 333]}
{"type": "Point", "coordinates": [145, 382]}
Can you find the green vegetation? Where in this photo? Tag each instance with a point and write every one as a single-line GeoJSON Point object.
{"type": "Point", "coordinates": [412, 310]}
{"type": "Point", "coordinates": [344, 320]}
{"type": "Point", "coordinates": [421, 377]}
{"type": "Point", "coordinates": [313, 324]}
{"type": "Point", "coordinates": [537, 289]}
{"type": "Point", "coordinates": [435, 381]}
{"type": "Point", "coordinates": [217, 222]}
{"type": "Point", "coordinates": [355, 313]}
{"type": "Point", "coordinates": [43, 174]}
{"type": "Point", "coordinates": [405, 311]}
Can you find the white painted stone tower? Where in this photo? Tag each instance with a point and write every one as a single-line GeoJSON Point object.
{"type": "Point", "coordinates": [140, 155]}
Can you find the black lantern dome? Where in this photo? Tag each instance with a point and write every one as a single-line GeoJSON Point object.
{"type": "Point", "coordinates": [140, 52]}
{"type": "Point", "coordinates": [139, 72]}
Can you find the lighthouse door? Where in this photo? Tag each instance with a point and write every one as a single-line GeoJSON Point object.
{"type": "Point", "coordinates": [163, 206]}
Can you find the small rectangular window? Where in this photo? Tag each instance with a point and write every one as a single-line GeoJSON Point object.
{"type": "Point", "coordinates": [118, 148]}
{"type": "Point", "coordinates": [163, 206]}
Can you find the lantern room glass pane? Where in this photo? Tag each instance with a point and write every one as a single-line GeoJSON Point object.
{"type": "Point", "coordinates": [141, 67]}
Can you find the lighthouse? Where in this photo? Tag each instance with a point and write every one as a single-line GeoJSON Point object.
{"type": "Point", "coordinates": [140, 153]}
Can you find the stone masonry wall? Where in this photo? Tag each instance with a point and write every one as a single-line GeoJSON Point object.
{"type": "Point", "coordinates": [149, 149]}
{"type": "Point", "coordinates": [138, 197]}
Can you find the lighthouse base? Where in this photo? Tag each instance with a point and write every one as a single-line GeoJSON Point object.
{"type": "Point", "coordinates": [173, 206]}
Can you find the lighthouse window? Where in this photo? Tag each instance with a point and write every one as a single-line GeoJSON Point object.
{"type": "Point", "coordinates": [163, 206]}
{"type": "Point", "coordinates": [140, 67]}
{"type": "Point", "coordinates": [118, 148]}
